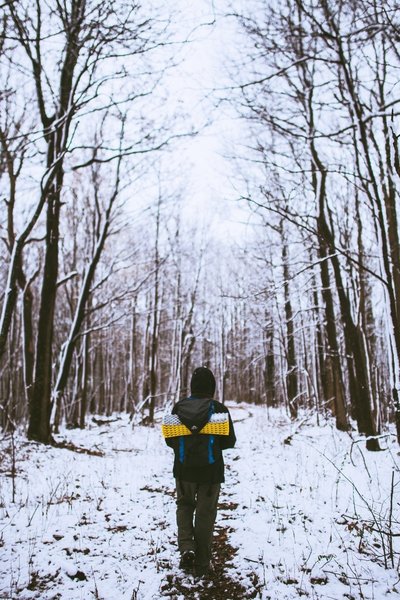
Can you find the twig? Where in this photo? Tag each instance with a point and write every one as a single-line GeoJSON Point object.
{"type": "Point", "coordinates": [362, 456]}
{"type": "Point", "coordinates": [358, 578]}
{"type": "Point", "coordinates": [390, 541]}
{"type": "Point", "coordinates": [257, 562]}
{"type": "Point", "coordinates": [13, 468]}
{"type": "Point", "coordinates": [378, 526]}
{"type": "Point", "coordinates": [288, 439]}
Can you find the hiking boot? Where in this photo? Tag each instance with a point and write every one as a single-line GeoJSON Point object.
{"type": "Point", "coordinates": [203, 570]}
{"type": "Point", "coordinates": [187, 560]}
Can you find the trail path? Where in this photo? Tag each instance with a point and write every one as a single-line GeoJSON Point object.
{"type": "Point", "coordinates": [294, 519]}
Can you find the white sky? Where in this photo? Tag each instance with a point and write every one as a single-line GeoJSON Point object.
{"type": "Point", "coordinates": [207, 173]}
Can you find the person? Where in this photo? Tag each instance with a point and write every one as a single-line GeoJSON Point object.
{"type": "Point", "coordinates": [198, 430]}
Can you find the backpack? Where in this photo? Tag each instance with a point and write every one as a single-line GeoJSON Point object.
{"type": "Point", "coordinates": [199, 450]}
{"type": "Point", "coordinates": [197, 433]}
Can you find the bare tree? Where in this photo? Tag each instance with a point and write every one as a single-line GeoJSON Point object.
{"type": "Point", "coordinates": [87, 283]}
{"type": "Point", "coordinates": [306, 90]}
{"type": "Point", "coordinates": [68, 85]}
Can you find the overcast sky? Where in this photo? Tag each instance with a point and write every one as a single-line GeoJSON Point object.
{"type": "Point", "coordinates": [197, 82]}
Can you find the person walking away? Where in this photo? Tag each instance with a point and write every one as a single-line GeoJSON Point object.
{"type": "Point", "coordinates": [198, 430]}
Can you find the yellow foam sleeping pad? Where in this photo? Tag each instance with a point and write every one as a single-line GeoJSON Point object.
{"type": "Point", "coordinates": [217, 425]}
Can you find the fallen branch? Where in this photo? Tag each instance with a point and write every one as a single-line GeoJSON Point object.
{"type": "Point", "coordinates": [70, 446]}
{"type": "Point", "coordinates": [288, 439]}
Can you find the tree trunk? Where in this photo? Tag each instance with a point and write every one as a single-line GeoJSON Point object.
{"type": "Point", "coordinates": [355, 351]}
{"type": "Point", "coordinates": [269, 372]}
{"type": "Point", "coordinates": [291, 373]}
{"type": "Point", "coordinates": [333, 370]}
{"type": "Point", "coordinates": [154, 332]}
{"type": "Point", "coordinates": [84, 381]}
{"type": "Point", "coordinates": [40, 404]}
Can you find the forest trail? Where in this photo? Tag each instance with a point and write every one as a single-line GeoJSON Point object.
{"type": "Point", "coordinates": [295, 519]}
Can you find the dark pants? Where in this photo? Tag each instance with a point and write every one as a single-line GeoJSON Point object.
{"type": "Point", "coordinates": [198, 500]}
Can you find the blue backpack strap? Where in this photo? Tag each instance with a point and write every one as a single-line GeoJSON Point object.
{"type": "Point", "coordinates": [211, 439]}
{"type": "Point", "coordinates": [181, 448]}
{"type": "Point", "coordinates": [211, 458]}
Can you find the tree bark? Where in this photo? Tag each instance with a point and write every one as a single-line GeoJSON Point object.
{"type": "Point", "coordinates": [292, 372]}
{"type": "Point", "coordinates": [332, 366]}
{"type": "Point", "coordinates": [359, 385]}
{"type": "Point", "coordinates": [40, 403]}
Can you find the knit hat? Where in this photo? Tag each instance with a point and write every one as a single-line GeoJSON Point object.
{"type": "Point", "coordinates": [203, 382]}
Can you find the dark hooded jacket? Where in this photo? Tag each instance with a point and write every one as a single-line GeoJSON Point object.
{"type": "Point", "coordinates": [194, 413]}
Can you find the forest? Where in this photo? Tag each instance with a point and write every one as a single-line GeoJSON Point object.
{"type": "Point", "coordinates": [112, 291]}
{"type": "Point", "coordinates": [186, 184]}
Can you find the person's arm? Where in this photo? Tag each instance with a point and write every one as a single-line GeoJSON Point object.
{"type": "Point", "coordinates": [172, 442]}
{"type": "Point", "coordinates": [228, 441]}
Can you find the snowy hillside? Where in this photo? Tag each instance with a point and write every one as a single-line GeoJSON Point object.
{"type": "Point", "coordinates": [305, 518]}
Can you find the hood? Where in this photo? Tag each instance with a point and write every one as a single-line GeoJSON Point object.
{"type": "Point", "coordinates": [194, 412]}
{"type": "Point", "coordinates": [202, 383]}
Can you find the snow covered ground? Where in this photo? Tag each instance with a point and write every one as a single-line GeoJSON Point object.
{"type": "Point", "coordinates": [308, 518]}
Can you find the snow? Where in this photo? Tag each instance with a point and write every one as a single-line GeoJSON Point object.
{"type": "Point", "coordinates": [305, 518]}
